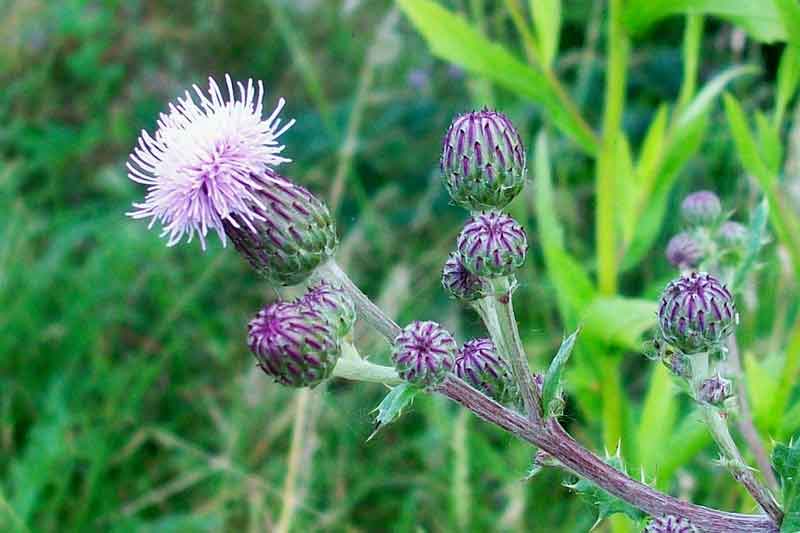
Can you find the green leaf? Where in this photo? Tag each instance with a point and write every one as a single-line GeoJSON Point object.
{"type": "Point", "coordinates": [626, 189]}
{"type": "Point", "coordinates": [607, 504]}
{"type": "Point", "coordinates": [653, 146]}
{"type": "Point", "coordinates": [789, 12]}
{"type": "Point", "coordinates": [551, 389]}
{"type": "Point", "coordinates": [746, 144]}
{"type": "Point", "coordinates": [547, 20]}
{"type": "Point", "coordinates": [618, 321]}
{"type": "Point", "coordinates": [392, 405]}
{"type": "Point", "coordinates": [709, 93]}
{"type": "Point", "coordinates": [453, 39]}
{"type": "Point", "coordinates": [769, 142]}
{"type": "Point", "coordinates": [657, 422]}
{"type": "Point", "coordinates": [760, 19]}
{"type": "Point", "coordinates": [763, 384]}
{"type": "Point", "coordinates": [573, 287]}
{"type": "Point", "coordinates": [786, 461]}
{"type": "Point", "coordinates": [758, 235]}
{"type": "Point", "coordinates": [788, 78]}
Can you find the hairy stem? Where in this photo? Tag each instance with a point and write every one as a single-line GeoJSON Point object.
{"type": "Point", "coordinates": [371, 313]}
{"type": "Point", "coordinates": [732, 457]}
{"type": "Point", "coordinates": [500, 317]}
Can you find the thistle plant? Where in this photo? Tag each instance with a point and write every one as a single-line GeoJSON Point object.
{"type": "Point", "coordinates": [211, 167]}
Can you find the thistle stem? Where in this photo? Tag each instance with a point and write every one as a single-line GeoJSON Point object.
{"type": "Point", "coordinates": [358, 369]}
{"type": "Point", "coordinates": [497, 311]}
{"type": "Point", "coordinates": [367, 310]}
{"type": "Point", "coordinates": [732, 457]}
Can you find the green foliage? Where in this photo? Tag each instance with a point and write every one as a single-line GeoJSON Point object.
{"type": "Point", "coordinates": [552, 403]}
{"type": "Point", "coordinates": [392, 405]}
{"type": "Point", "coordinates": [786, 461]}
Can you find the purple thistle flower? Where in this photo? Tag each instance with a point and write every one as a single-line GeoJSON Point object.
{"type": "Point", "coordinates": [733, 234]}
{"type": "Point", "coordinates": [424, 353]}
{"type": "Point", "coordinates": [683, 251]}
{"type": "Point", "coordinates": [206, 162]}
{"type": "Point", "coordinates": [460, 282]}
{"type": "Point", "coordinates": [292, 232]}
{"type": "Point", "coordinates": [669, 524]}
{"type": "Point", "coordinates": [696, 312]}
{"type": "Point", "coordinates": [479, 365]}
{"type": "Point", "coordinates": [483, 160]}
{"type": "Point", "coordinates": [492, 245]}
{"type": "Point", "coordinates": [701, 208]}
{"type": "Point", "coordinates": [294, 344]}
{"type": "Point", "coordinates": [333, 303]}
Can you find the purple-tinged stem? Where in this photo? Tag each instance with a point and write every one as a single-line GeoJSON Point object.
{"type": "Point", "coordinates": [553, 439]}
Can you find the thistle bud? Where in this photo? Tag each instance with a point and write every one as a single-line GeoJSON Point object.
{"type": "Point", "coordinates": [460, 282]}
{"type": "Point", "coordinates": [492, 245]}
{"type": "Point", "coordinates": [714, 390]}
{"type": "Point", "coordinates": [294, 344]}
{"type": "Point", "coordinates": [669, 524]}
{"type": "Point", "coordinates": [683, 251]}
{"type": "Point", "coordinates": [483, 160]}
{"type": "Point", "coordinates": [334, 304]}
{"type": "Point", "coordinates": [696, 313]}
{"type": "Point", "coordinates": [291, 232]}
{"type": "Point", "coordinates": [479, 365]}
{"type": "Point", "coordinates": [732, 234]}
{"type": "Point", "coordinates": [424, 353]}
{"type": "Point", "coordinates": [701, 208]}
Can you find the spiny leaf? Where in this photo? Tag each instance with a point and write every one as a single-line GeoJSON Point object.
{"type": "Point", "coordinates": [392, 405]}
{"type": "Point", "coordinates": [607, 504]}
{"type": "Point", "coordinates": [758, 234]}
{"type": "Point", "coordinates": [786, 461]}
{"type": "Point", "coordinates": [552, 381]}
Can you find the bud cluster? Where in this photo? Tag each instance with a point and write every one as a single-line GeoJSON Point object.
{"type": "Point", "coordinates": [479, 365]}
{"type": "Point", "coordinates": [298, 342]}
{"type": "Point", "coordinates": [424, 353]}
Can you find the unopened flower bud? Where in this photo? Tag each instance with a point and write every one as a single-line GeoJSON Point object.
{"type": "Point", "coordinates": [479, 365]}
{"type": "Point", "coordinates": [701, 208]}
{"type": "Point", "coordinates": [483, 160]}
{"type": "Point", "coordinates": [334, 304]}
{"type": "Point", "coordinates": [714, 390]}
{"type": "Point", "coordinates": [669, 524]}
{"type": "Point", "coordinates": [294, 344]}
{"type": "Point", "coordinates": [492, 245]}
{"type": "Point", "coordinates": [683, 251]}
{"type": "Point", "coordinates": [696, 313]}
{"type": "Point", "coordinates": [291, 231]}
{"type": "Point", "coordinates": [460, 282]}
{"type": "Point", "coordinates": [677, 363]}
{"type": "Point", "coordinates": [424, 353]}
{"type": "Point", "coordinates": [732, 234]}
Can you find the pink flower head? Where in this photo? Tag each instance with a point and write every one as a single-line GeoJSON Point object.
{"type": "Point", "coordinates": [206, 160]}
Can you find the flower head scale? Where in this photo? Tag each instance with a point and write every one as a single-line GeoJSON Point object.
{"type": "Point", "coordinates": [460, 283]}
{"type": "Point", "coordinates": [206, 160]}
{"type": "Point", "coordinates": [696, 313]}
{"type": "Point", "coordinates": [483, 160]}
{"type": "Point", "coordinates": [683, 251]}
{"type": "Point", "coordinates": [479, 365]}
{"type": "Point", "coordinates": [294, 344]}
{"type": "Point", "coordinates": [492, 245]}
{"type": "Point", "coordinates": [292, 233]}
{"type": "Point", "coordinates": [333, 303]}
{"type": "Point", "coordinates": [669, 524]}
{"type": "Point", "coordinates": [424, 353]}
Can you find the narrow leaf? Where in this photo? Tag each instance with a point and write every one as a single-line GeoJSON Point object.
{"type": "Point", "coordinates": [788, 79]}
{"type": "Point", "coordinates": [618, 321]}
{"type": "Point", "coordinates": [453, 39]}
{"type": "Point", "coordinates": [657, 422]}
{"type": "Point", "coordinates": [745, 143]}
{"type": "Point", "coordinates": [551, 389]}
{"type": "Point", "coordinates": [547, 20]}
{"type": "Point", "coordinates": [786, 461]}
{"type": "Point", "coordinates": [758, 235]}
{"type": "Point", "coordinates": [392, 405]}
{"type": "Point", "coordinates": [710, 91]}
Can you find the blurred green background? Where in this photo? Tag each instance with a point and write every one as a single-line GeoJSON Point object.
{"type": "Point", "coordinates": [128, 399]}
